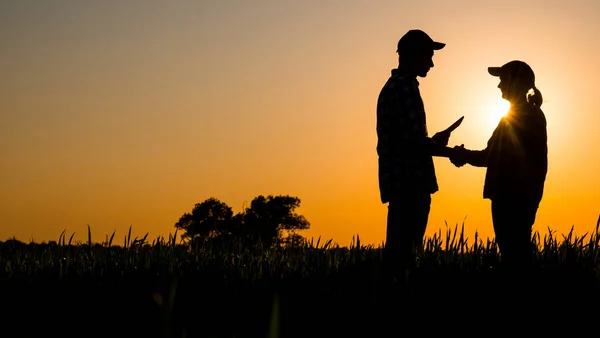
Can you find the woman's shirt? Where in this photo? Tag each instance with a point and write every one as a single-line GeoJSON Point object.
{"type": "Point", "coordinates": [517, 155]}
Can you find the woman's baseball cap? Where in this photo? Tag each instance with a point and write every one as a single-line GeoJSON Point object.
{"type": "Point", "coordinates": [516, 70]}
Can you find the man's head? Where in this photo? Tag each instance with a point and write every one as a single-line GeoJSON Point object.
{"type": "Point", "coordinates": [415, 51]}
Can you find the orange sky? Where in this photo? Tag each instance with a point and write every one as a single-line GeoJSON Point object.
{"type": "Point", "coordinates": [128, 113]}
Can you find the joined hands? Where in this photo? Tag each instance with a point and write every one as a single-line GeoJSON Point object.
{"type": "Point", "coordinates": [459, 156]}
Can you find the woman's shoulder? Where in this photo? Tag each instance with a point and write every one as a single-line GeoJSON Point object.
{"type": "Point", "coordinates": [531, 110]}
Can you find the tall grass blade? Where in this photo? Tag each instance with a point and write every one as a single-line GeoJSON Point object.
{"type": "Point", "coordinates": [111, 239]}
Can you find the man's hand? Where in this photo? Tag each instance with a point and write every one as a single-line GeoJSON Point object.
{"type": "Point", "coordinates": [459, 156]}
{"type": "Point", "coordinates": [441, 138]}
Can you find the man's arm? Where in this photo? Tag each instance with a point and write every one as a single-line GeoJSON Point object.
{"type": "Point", "coordinates": [442, 151]}
{"type": "Point", "coordinates": [440, 140]}
{"type": "Point", "coordinates": [411, 123]}
{"type": "Point", "coordinates": [400, 121]}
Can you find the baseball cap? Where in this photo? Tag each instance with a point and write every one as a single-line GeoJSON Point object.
{"type": "Point", "coordinates": [417, 39]}
{"type": "Point", "coordinates": [515, 69]}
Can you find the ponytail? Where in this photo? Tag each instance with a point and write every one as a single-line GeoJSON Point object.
{"type": "Point", "coordinates": [534, 97]}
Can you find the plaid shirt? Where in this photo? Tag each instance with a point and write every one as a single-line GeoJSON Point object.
{"type": "Point", "coordinates": [403, 146]}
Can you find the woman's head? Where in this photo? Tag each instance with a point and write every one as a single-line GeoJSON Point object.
{"type": "Point", "coordinates": [517, 82]}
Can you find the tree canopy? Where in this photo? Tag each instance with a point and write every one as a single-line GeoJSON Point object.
{"type": "Point", "coordinates": [268, 220]}
{"type": "Point", "coordinates": [207, 219]}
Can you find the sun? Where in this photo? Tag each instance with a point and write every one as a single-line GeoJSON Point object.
{"type": "Point", "coordinates": [497, 108]}
{"type": "Point", "coordinates": [488, 110]}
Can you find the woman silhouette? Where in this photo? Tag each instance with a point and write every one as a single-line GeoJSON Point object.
{"type": "Point", "coordinates": [516, 158]}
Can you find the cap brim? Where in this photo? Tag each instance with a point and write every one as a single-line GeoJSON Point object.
{"type": "Point", "coordinates": [438, 45]}
{"type": "Point", "coordinates": [495, 71]}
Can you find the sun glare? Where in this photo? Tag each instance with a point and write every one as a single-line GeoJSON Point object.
{"type": "Point", "coordinates": [489, 112]}
{"type": "Point", "coordinates": [497, 109]}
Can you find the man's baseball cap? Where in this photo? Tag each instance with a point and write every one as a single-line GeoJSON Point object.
{"type": "Point", "coordinates": [416, 39]}
{"type": "Point", "coordinates": [516, 70]}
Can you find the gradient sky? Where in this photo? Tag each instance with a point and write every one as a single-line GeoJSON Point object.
{"type": "Point", "coordinates": [127, 113]}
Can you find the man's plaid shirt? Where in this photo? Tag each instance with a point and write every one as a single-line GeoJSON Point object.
{"type": "Point", "coordinates": [403, 146]}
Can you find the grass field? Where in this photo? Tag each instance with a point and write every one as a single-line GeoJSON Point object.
{"type": "Point", "coordinates": [162, 288]}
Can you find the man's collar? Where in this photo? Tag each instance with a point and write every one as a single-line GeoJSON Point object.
{"type": "Point", "coordinates": [398, 73]}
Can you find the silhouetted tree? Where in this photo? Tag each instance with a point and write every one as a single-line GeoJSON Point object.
{"type": "Point", "coordinates": [267, 218]}
{"type": "Point", "coordinates": [266, 221]}
{"type": "Point", "coordinates": [236, 226]}
{"type": "Point", "coordinates": [207, 220]}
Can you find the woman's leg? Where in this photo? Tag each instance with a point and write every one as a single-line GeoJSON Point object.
{"type": "Point", "coordinates": [513, 221]}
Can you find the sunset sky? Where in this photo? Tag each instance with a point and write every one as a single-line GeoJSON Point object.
{"type": "Point", "coordinates": [128, 113]}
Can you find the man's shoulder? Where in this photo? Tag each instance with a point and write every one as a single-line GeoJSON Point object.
{"type": "Point", "coordinates": [399, 80]}
{"type": "Point", "coordinates": [397, 76]}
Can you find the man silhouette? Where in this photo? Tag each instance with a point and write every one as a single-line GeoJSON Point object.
{"type": "Point", "coordinates": [406, 171]}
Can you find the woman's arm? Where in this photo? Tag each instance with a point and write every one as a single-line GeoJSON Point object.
{"type": "Point", "coordinates": [477, 158]}
{"type": "Point", "coordinates": [460, 156]}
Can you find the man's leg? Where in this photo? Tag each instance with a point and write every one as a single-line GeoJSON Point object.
{"type": "Point", "coordinates": [422, 207]}
{"type": "Point", "coordinates": [406, 224]}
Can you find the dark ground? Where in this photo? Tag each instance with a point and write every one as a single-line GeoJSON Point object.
{"type": "Point", "coordinates": [351, 303]}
